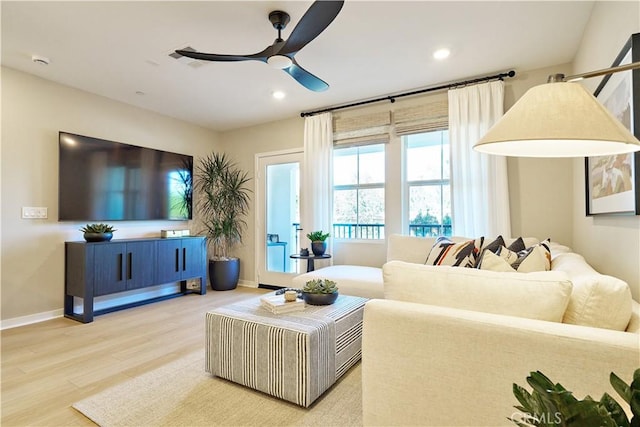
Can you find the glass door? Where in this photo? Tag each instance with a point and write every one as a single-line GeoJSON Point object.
{"type": "Point", "coordinates": [278, 217]}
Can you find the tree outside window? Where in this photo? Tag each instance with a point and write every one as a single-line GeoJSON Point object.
{"type": "Point", "coordinates": [358, 193]}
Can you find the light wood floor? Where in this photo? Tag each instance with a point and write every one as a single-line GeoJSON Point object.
{"type": "Point", "coordinates": [48, 366]}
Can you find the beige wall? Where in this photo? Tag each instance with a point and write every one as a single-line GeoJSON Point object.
{"type": "Point", "coordinates": [540, 190]}
{"type": "Point", "coordinates": [610, 243]}
{"type": "Point", "coordinates": [33, 111]}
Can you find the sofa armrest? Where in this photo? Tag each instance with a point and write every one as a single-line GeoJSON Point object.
{"type": "Point", "coordinates": [428, 365]}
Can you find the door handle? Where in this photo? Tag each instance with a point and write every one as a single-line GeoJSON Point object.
{"type": "Point", "coordinates": [184, 259]}
{"type": "Point", "coordinates": [129, 267]}
{"type": "Point", "coordinates": [120, 267]}
{"type": "Point", "coordinates": [177, 260]}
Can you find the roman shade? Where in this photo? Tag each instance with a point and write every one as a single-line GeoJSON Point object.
{"type": "Point", "coordinates": [426, 117]}
{"type": "Point", "coordinates": [372, 128]}
{"type": "Point", "coordinates": [377, 127]}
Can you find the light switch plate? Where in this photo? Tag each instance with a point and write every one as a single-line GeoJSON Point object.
{"type": "Point", "coordinates": [34, 212]}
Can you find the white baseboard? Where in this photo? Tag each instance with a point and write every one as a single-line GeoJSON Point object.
{"type": "Point", "coordinates": [248, 283]}
{"type": "Point", "coordinates": [32, 318]}
{"type": "Point", "coordinates": [102, 302]}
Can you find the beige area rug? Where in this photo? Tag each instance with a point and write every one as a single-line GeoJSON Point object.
{"type": "Point", "coordinates": [181, 393]}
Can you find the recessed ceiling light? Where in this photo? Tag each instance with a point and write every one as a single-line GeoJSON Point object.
{"type": "Point", "coordinates": [441, 53]}
{"type": "Point", "coordinates": [140, 93]}
{"type": "Point", "coordinates": [278, 94]}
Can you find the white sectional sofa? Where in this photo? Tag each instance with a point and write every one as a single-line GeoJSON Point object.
{"type": "Point", "coordinates": [442, 346]}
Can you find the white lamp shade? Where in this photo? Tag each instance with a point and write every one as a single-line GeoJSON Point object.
{"type": "Point", "coordinates": [557, 120]}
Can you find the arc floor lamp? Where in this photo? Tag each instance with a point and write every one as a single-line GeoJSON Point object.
{"type": "Point", "coordinates": [560, 119]}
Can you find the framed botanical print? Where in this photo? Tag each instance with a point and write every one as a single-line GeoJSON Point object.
{"type": "Point", "coordinates": [613, 182]}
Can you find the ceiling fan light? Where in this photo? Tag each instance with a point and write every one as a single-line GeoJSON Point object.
{"type": "Point", "coordinates": [557, 120]}
{"type": "Point", "coordinates": [279, 61]}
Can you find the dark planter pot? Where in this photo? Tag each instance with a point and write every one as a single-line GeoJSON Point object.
{"type": "Point", "coordinates": [319, 299]}
{"type": "Point", "coordinates": [224, 274]}
{"type": "Point", "coordinates": [318, 248]}
{"type": "Point", "coordinates": [98, 237]}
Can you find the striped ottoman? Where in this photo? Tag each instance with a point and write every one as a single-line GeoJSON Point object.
{"type": "Point", "coordinates": [294, 356]}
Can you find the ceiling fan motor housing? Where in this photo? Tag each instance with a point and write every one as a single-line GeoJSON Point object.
{"type": "Point", "coordinates": [279, 19]}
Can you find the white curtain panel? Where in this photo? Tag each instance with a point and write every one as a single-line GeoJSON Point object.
{"type": "Point", "coordinates": [317, 176]}
{"type": "Point", "coordinates": [480, 191]}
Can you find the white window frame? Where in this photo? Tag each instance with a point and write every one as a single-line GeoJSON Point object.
{"type": "Point", "coordinates": [357, 187]}
{"type": "Point", "coordinates": [407, 184]}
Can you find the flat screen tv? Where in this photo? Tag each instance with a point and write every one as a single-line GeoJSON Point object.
{"type": "Point", "coordinates": [103, 180]}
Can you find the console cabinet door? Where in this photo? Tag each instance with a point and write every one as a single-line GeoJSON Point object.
{"type": "Point", "coordinates": [109, 267]}
{"type": "Point", "coordinates": [169, 260]}
{"type": "Point", "coordinates": [140, 262]}
{"type": "Point", "coordinates": [181, 259]}
{"type": "Point", "coordinates": [194, 258]}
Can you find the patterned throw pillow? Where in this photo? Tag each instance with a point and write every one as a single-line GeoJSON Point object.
{"type": "Point", "coordinates": [495, 245]}
{"type": "Point", "coordinates": [517, 245]}
{"type": "Point", "coordinates": [535, 258]}
{"type": "Point", "coordinates": [492, 247]}
{"type": "Point", "coordinates": [446, 252]}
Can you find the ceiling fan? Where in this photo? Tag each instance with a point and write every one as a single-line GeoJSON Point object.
{"type": "Point", "coordinates": [281, 53]}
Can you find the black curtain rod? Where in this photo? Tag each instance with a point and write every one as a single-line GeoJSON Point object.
{"type": "Point", "coordinates": [392, 98]}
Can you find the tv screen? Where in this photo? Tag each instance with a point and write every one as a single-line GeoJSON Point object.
{"type": "Point", "coordinates": [103, 180]}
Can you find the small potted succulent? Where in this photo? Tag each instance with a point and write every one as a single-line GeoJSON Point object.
{"type": "Point", "coordinates": [320, 292]}
{"type": "Point", "coordinates": [98, 232]}
{"type": "Point", "coordinates": [318, 242]}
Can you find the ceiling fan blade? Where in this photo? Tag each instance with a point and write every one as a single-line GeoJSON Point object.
{"type": "Point", "coordinates": [313, 22]}
{"type": "Point", "coordinates": [305, 78]}
{"type": "Point", "coordinates": [260, 56]}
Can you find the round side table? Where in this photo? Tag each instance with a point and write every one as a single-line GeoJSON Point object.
{"type": "Point", "coordinates": [310, 259]}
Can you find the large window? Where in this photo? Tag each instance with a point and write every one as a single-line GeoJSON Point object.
{"type": "Point", "coordinates": [428, 190]}
{"type": "Point", "coordinates": [358, 192]}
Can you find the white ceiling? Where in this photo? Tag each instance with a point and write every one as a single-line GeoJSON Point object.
{"type": "Point", "coordinates": [373, 48]}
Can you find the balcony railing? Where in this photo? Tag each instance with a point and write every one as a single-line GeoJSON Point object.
{"type": "Point", "coordinates": [358, 231]}
{"type": "Point", "coordinates": [376, 231]}
{"type": "Point", "coordinates": [429, 230]}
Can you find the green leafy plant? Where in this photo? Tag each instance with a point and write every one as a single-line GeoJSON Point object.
{"type": "Point", "coordinates": [222, 203]}
{"type": "Point", "coordinates": [317, 236]}
{"type": "Point", "coordinates": [551, 404]}
{"type": "Point", "coordinates": [320, 286]}
{"type": "Point", "coordinates": [97, 228]}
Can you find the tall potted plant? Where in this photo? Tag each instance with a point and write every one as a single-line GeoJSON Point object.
{"type": "Point", "coordinates": [222, 204]}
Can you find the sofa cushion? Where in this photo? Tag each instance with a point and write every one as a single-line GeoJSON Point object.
{"type": "Point", "coordinates": [597, 300]}
{"type": "Point", "coordinates": [539, 295]}
{"type": "Point", "coordinates": [634, 322]}
{"type": "Point", "coordinates": [447, 252]}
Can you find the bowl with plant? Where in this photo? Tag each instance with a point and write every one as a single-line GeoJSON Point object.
{"type": "Point", "coordinates": [98, 232]}
{"type": "Point", "coordinates": [320, 292]}
{"type": "Point", "coordinates": [318, 242]}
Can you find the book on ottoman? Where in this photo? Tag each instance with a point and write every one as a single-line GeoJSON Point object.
{"type": "Point", "coordinates": [277, 305]}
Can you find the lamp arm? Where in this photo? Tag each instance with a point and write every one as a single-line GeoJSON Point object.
{"type": "Point", "coordinates": [603, 72]}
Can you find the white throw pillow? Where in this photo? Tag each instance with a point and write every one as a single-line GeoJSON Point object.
{"type": "Point", "coordinates": [596, 300]}
{"type": "Point", "coordinates": [539, 295]}
{"type": "Point", "coordinates": [495, 262]}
